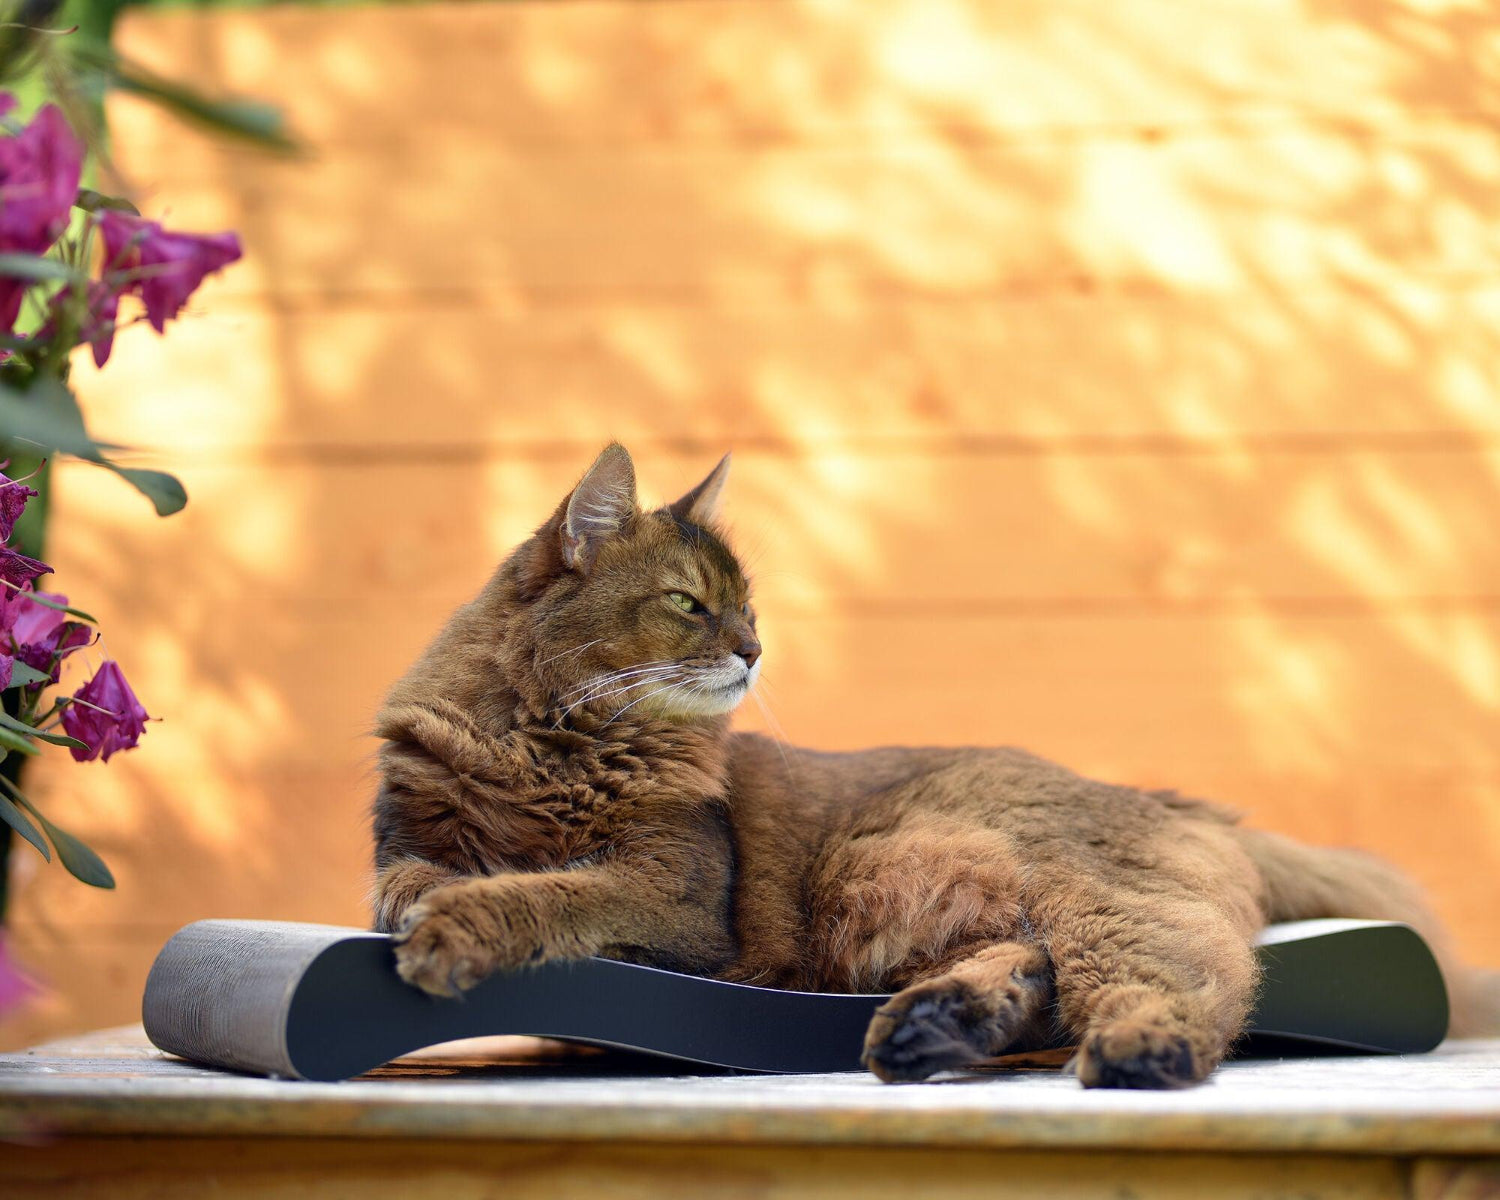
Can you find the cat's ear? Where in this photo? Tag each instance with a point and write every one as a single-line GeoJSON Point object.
{"type": "Point", "coordinates": [601, 506]}
{"type": "Point", "coordinates": [701, 504]}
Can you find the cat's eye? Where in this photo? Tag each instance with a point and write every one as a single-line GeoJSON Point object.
{"type": "Point", "coordinates": [685, 602]}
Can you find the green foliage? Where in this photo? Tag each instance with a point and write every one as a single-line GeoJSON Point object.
{"type": "Point", "coordinates": [9, 723]}
{"type": "Point", "coordinates": [79, 861]}
{"type": "Point", "coordinates": [18, 821]}
{"type": "Point", "coordinates": [45, 417]}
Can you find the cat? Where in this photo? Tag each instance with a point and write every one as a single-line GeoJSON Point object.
{"type": "Point", "coordinates": [558, 779]}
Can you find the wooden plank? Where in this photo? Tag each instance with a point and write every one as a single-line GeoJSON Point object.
{"type": "Point", "coordinates": [876, 533]}
{"type": "Point", "coordinates": [1455, 1179]}
{"type": "Point", "coordinates": [1443, 1102]}
{"type": "Point", "coordinates": [471, 372]}
{"type": "Point", "coordinates": [596, 73]}
{"type": "Point", "coordinates": [1287, 691]}
{"type": "Point", "coordinates": [922, 218]}
{"type": "Point", "coordinates": [164, 1169]}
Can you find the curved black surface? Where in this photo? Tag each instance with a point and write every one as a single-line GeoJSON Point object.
{"type": "Point", "coordinates": [331, 1035]}
{"type": "Point", "coordinates": [1351, 985]}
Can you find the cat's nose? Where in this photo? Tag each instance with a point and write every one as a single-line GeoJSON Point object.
{"type": "Point", "coordinates": [749, 650]}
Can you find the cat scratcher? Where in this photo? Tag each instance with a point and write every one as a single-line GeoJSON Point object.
{"type": "Point", "coordinates": [321, 1002]}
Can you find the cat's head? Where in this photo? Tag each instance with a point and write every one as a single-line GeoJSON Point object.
{"type": "Point", "coordinates": [636, 611]}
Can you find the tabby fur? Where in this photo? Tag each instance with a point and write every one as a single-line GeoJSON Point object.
{"type": "Point", "coordinates": [558, 779]}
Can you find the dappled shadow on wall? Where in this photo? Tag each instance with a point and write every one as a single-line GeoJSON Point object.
{"type": "Point", "coordinates": [1117, 381]}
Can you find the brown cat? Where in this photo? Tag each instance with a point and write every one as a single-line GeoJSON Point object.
{"type": "Point", "coordinates": [559, 780]}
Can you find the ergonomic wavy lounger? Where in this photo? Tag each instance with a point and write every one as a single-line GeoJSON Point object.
{"type": "Point", "coordinates": [321, 1002]}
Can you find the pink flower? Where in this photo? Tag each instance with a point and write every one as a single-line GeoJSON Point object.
{"type": "Point", "coordinates": [17, 569]}
{"type": "Point", "coordinates": [168, 267]}
{"type": "Point", "coordinates": [39, 171]}
{"type": "Point", "coordinates": [118, 727]}
{"type": "Point", "coordinates": [16, 987]}
{"type": "Point", "coordinates": [97, 326]}
{"type": "Point", "coordinates": [29, 622]}
{"type": "Point", "coordinates": [13, 497]}
{"type": "Point", "coordinates": [39, 635]}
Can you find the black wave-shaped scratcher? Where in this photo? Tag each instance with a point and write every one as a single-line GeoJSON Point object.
{"type": "Point", "coordinates": [325, 1003]}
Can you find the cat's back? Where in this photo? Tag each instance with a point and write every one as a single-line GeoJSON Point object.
{"type": "Point", "coordinates": [995, 786]}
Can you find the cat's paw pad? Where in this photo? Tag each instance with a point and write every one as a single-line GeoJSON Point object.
{"type": "Point", "coordinates": [438, 954]}
{"type": "Point", "coordinates": [1132, 1054]}
{"type": "Point", "coordinates": [913, 1036]}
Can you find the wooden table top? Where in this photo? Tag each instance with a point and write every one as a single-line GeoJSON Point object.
{"type": "Point", "coordinates": [115, 1082]}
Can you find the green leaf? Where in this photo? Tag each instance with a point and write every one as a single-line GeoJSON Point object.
{"type": "Point", "coordinates": [164, 491]}
{"type": "Point", "coordinates": [29, 266]}
{"type": "Point", "coordinates": [38, 598]}
{"type": "Point", "coordinates": [47, 415]}
{"type": "Point", "coordinates": [81, 862]}
{"type": "Point", "coordinates": [22, 674]}
{"type": "Point", "coordinates": [15, 725]}
{"type": "Point", "coordinates": [92, 201]}
{"type": "Point", "coordinates": [14, 741]}
{"type": "Point", "coordinates": [17, 820]}
{"type": "Point", "coordinates": [249, 119]}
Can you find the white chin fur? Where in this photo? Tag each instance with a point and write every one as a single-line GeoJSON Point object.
{"type": "Point", "coordinates": [715, 691]}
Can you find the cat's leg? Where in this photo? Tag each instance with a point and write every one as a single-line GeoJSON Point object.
{"type": "Point", "coordinates": [979, 1007]}
{"type": "Point", "coordinates": [457, 934]}
{"type": "Point", "coordinates": [1154, 985]}
{"type": "Point", "coordinates": [659, 908]}
{"type": "Point", "coordinates": [400, 884]}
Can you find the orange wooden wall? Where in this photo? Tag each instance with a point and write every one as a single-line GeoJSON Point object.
{"type": "Point", "coordinates": [1119, 379]}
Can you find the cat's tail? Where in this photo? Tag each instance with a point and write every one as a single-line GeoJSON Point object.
{"type": "Point", "coordinates": [1307, 882]}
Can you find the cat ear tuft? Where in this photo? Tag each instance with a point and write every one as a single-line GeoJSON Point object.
{"type": "Point", "coordinates": [601, 506]}
{"type": "Point", "coordinates": [701, 504]}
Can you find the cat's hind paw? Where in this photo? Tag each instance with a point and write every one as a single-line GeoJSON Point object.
{"type": "Point", "coordinates": [1137, 1054]}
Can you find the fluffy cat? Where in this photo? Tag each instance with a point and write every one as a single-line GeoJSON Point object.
{"type": "Point", "coordinates": [558, 779]}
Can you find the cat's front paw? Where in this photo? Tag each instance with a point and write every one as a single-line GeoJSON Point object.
{"type": "Point", "coordinates": [1137, 1054]}
{"type": "Point", "coordinates": [451, 939]}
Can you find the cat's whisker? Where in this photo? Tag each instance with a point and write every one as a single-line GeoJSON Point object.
{"type": "Point", "coordinates": [616, 676]}
{"type": "Point", "coordinates": [566, 653]}
{"type": "Point", "coordinates": [614, 685]}
{"type": "Point", "coordinates": [665, 688]}
{"type": "Point", "coordinates": [778, 734]}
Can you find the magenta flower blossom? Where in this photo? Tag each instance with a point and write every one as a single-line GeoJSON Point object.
{"type": "Point", "coordinates": [17, 569]}
{"type": "Point", "coordinates": [118, 727]}
{"type": "Point", "coordinates": [13, 497]}
{"type": "Point", "coordinates": [47, 654]}
{"type": "Point", "coordinates": [16, 987]}
{"type": "Point", "coordinates": [168, 267]}
{"type": "Point", "coordinates": [97, 327]}
{"type": "Point", "coordinates": [37, 634]}
{"type": "Point", "coordinates": [39, 172]}
{"type": "Point", "coordinates": [27, 621]}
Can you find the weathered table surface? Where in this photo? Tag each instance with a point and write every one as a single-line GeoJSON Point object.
{"type": "Point", "coordinates": [1424, 1125]}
